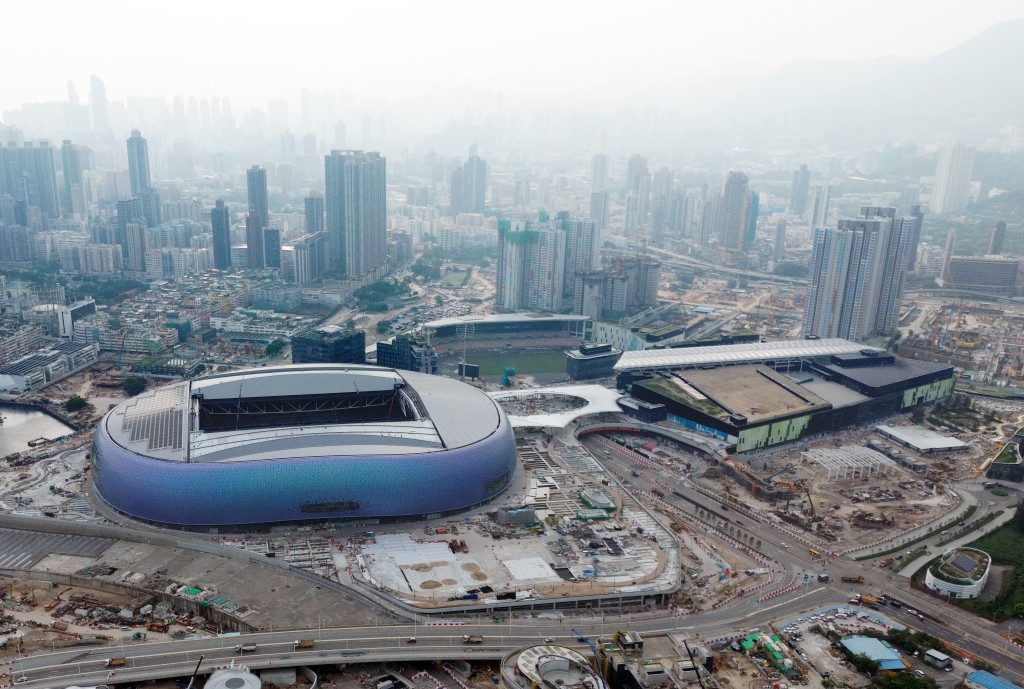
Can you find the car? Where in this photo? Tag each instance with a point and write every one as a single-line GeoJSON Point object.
{"type": "Point", "coordinates": [784, 545]}
{"type": "Point", "coordinates": [919, 673]}
{"type": "Point", "coordinates": [411, 640]}
{"type": "Point", "coordinates": [549, 641]}
{"type": "Point", "coordinates": [21, 679]}
{"type": "Point", "coordinates": [911, 611]}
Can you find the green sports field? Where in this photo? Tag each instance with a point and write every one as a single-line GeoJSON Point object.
{"type": "Point", "coordinates": [523, 362]}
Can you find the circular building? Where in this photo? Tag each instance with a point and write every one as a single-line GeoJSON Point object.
{"type": "Point", "coordinates": [959, 573]}
{"type": "Point", "coordinates": [311, 442]}
{"type": "Point", "coordinates": [548, 665]}
{"type": "Point", "coordinates": [233, 677]}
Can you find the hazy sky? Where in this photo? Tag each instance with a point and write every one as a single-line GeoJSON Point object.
{"type": "Point", "coordinates": [253, 50]}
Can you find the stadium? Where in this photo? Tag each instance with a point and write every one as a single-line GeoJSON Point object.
{"type": "Point", "coordinates": [313, 442]}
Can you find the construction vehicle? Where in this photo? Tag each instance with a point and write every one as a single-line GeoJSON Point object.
{"type": "Point", "coordinates": [869, 600]}
{"type": "Point", "coordinates": [56, 601]}
{"type": "Point", "coordinates": [157, 626]}
{"type": "Point", "coordinates": [139, 636]}
{"type": "Point", "coordinates": [853, 580]}
{"type": "Point", "coordinates": [886, 562]}
{"type": "Point", "coordinates": [59, 626]}
{"type": "Point", "coordinates": [115, 662]}
{"type": "Point", "coordinates": [304, 643]}
{"type": "Point", "coordinates": [472, 639]}
{"type": "Point", "coordinates": [245, 648]}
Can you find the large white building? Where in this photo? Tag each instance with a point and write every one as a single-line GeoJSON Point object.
{"type": "Point", "coordinates": [960, 573]}
{"type": "Point", "coordinates": [952, 179]}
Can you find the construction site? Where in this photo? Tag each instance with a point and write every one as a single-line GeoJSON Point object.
{"type": "Point", "coordinates": [984, 339]}
{"type": "Point", "coordinates": [855, 490]}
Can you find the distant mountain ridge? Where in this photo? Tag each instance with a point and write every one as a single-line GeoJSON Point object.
{"type": "Point", "coordinates": [962, 92]}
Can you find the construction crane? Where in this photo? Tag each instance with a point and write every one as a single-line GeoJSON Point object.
{"type": "Point", "coordinates": [120, 351]}
{"type": "Point", "coordinates": [807, 492]}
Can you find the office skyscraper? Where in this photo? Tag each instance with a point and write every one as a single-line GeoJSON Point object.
{"type": "Point", "coordinates": [28, 174]}
{"type": "Point", "coordinates": [819, 207]}
{"type": "Point", "coordinates": [314, 212]}
{"type": "Point", "coordinates": [856, 276]}
{"type": "Point", "coordinates": [952, 179]}
{"type": "Point", "coordinates": [599, 172]}
{"type": "Point", "coordinates": [135, 247]}
{"type": "Point", "coordinates": [98, 102]}
{"type": "Point", "coordinates": [72, 166]}
{"type": "Point", "coordinates": [753, 209]}
{"type": "Point", "coordinates": [129, 211]}
{"type": "Point", "coordinates": [310, 257]}
{"type": "Point", "coordinates": [636, 167]}
{"type": "Point", "coordinates": [256, 184]}
{"type": "Point", "coordinates": [581, 248]}
{"type": "Point", "coordinates": [661, 200]}
{"type": "Point", "coordinates": [780, 240]}
{"type": "Point", "coordinates": [254, 241]}
{"type": "Point", "coordinates": [355, 198]}
{"type": "Point", "coordinates": [799, 190]}
{"type": "Point", "coordinates": [469, 184]}
{"type": "Point", "coordinates": [734, 212]}
{"type": "Point", "coordinates": [220, 220]}
{"type": "Point", "coordinates": [272, 247]}
{"type": "Point", "coordinates": [915, 235]}
{"type": "Point", "coordinates": [599, 208]}
{"type": "Point", "coordinates": [138, 163]}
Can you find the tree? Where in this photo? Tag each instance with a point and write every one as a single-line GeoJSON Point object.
{"type": "Point", "coordinates": [133, 385]}
{"type": "Point", "coordinates": [902, 680]}
{"type": "Point", "coordinates": [917, 415]}
{"type": "Point", "coordinates": [383, 326]}
{"type": "Point", "coordinates": [275, 348]}
{"type": "Point", "coordinates": [75, 403]}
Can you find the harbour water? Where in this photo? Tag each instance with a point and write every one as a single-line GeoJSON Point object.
{"type": "Point", "coordinates": [22, 425]}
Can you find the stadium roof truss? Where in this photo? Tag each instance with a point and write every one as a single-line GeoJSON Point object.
{"type": "Point", "coordinates": [720, 355]}
{"type": "Point", "coordinates": [851, 461]}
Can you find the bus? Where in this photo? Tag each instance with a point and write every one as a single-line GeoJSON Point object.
{"type": "Point", "coordinates": [939, 660]}
{"type": "Point", "coordinates": [813, 552]}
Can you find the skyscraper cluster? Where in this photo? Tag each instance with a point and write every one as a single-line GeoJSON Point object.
{"type": "Point", "coordinates": [857, 272]}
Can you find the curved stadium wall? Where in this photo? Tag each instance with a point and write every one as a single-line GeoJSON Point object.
{"type": "Point", "coordinates": [271, 491]}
